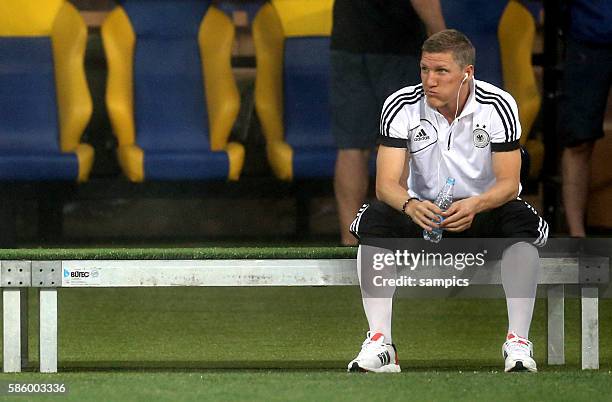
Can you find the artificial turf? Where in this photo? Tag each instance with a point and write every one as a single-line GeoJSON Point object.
{"type": "Point", "coordinates": [168, 253]}
{"type": "Point", "coordinates": [293, 343]}
{"type": "Point", "coordinates": [317, 385]}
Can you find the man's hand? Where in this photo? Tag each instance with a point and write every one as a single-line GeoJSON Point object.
{"type": "Point", "coordinates": [459, 216]}
{"type": "Point", "coordinates": [424, 213]}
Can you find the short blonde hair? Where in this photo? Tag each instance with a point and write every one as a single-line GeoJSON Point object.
{"type": "Point", "coordinates": [451, 40]}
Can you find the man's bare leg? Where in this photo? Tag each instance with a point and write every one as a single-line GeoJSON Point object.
{"type": "Point", "coordinates": [576, 169]}
{"type": "Point", "coordinates": [351, 187]}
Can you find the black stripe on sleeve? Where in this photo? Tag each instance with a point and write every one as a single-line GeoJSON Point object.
{"type": "Point", "coordinates": [505, 146]}
{"type": "Point", "coordinates": [411, 101]}
{"type": "Point", "coordinates": [394, 106]}
{"type": "Point", "coordinates": [512, 118]}
{"type": "Point", "coordinates": [496, 105]}
{"type": "Point", "coordinates": [392, 142]}
{"type": "Point", "coordinates": [390, 104]}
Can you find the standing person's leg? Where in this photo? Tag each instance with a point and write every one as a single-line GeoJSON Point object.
{"type": "Point", "coordinates": [351, 181]}
{"type": "Point", "coordinates": [576, 171]}
{"type": "Point", "coordinates": [354, 126]}
{"type": "Point", "coordinates": [360, 86]}
{"type": "Point", "coordinates": [581, 124]}
{"type": "Point", "coordinates": [391, 73]}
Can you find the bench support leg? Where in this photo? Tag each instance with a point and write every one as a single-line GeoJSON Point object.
{"type": "Point", "coordinates": [556, 321]}
{"type": "Point", "coordinates": [590, 328]}
{"type": "Point", "coordinates": [11, 317]}
{"type": "Point", "coordinates": [48, 330]}
{"type": "Point", "coordinates": [24, 328]}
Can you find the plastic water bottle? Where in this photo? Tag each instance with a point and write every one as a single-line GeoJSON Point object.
{"type": "Point", "coordinates": [443, 201]}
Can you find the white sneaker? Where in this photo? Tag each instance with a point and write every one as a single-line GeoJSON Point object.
{"type": "Point", "coordinates": [518, 352]}
{"type": "Point", "coordinates": [376, 356]}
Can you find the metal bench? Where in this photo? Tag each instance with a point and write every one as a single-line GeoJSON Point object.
{"type": "Point", "coordinates": [589, 273]}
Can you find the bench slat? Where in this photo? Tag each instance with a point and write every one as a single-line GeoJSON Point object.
{"type": "Point", "coordinates": [315, 272]}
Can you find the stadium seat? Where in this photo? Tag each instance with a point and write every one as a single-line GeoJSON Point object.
{"type": "Point", "coordinates": [171, 95]}
{"type": "Point", "coordinates": [230, 6]}
{"type": "Point", "coordinates": [292, 39]}
{"type": "Point", "coordinates": [45, 103]}
{"type": "Point", "coordinates": [503, 33]}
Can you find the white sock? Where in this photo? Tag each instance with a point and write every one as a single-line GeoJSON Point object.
{"type": "Point", "coordinates": [520, 268]}
{"type": "Point", "coordinates": [378, 310]}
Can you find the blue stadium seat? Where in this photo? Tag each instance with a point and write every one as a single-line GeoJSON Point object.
{"type": "Point", "coordinates": [251, 7]}
{"type": "Point", "coordinates": [292, 87]}
{"type": "Point", "coordinates": [171, 95]}
{"type": "Point", "coordinates": [45, 103]}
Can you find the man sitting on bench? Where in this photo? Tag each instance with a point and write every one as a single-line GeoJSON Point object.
{"type": "Point", "coordinates": [452, 125]}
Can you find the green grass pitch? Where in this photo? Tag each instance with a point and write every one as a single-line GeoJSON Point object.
{"type": "Point", "coordinates": [277, 344]}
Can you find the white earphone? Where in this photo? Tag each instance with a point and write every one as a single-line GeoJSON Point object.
{"type": "Point", "coordinates": [465, 77]}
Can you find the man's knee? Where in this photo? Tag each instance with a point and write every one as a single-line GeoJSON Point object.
{"type": "Point", "coordinates": [521, 248]}
{"type": "Point", "coordinates": [353, 156]}
{"type": "Point", "coordinates": [583, 149]}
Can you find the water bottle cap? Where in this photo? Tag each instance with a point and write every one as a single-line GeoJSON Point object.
{"type": "Point", "coordinates": [450, 180]}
